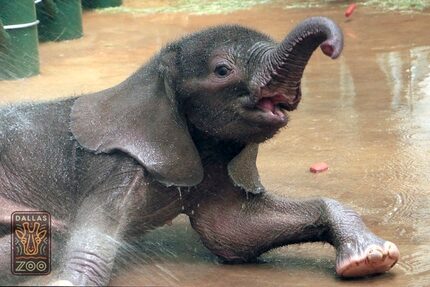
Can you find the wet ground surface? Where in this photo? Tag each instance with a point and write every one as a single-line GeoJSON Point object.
{"type": "Point", "coordinates": [366, 114]}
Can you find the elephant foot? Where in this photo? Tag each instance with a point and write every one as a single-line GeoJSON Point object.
{"type": "Point", "coordinates": [375, 259]}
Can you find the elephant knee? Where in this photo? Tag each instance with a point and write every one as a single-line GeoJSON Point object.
{"type": "Point", "coordinates": [224, 242]}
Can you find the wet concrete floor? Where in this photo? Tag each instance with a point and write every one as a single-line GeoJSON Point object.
{"type": "Point", "coordinates": [366, 114]}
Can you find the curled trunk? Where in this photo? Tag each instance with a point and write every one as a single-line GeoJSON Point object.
{"type": "Point", "coordinates": [283, 67]}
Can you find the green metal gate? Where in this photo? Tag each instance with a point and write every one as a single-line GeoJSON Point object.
{"type": "Point", "coordinates": [59, 20]}
{"type": "Point", "coordinates": [19, 55]}
{"type": "Point", "coordinates": [91, 4]}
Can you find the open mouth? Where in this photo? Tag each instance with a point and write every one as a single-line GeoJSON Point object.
{"type": "Point", "coordinates": [274, 105]}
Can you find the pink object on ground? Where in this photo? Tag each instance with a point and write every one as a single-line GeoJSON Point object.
{"type": "Point", "coordinates": [318, 167]}
{"type": "Point", "coordinates": [350, 9]}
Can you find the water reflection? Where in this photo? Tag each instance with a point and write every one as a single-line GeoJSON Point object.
{"type": "Point", "coordinates": [347, 87]}
{"type": "Point", "coordinates": [391, 64]}
{"type": "Point", "coordinates": [420, 84]}
{"type": "Point", "coordinates": [408, 75]}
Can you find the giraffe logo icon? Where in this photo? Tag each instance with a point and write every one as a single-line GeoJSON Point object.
{"type": "Point", "coordinates": [31, 242]}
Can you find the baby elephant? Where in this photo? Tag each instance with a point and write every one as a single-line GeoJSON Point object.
{"type": "Point", "coordinates": [178, 136]}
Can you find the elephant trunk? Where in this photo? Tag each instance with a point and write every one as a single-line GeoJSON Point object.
{"type": "Point", "coordinates": [282, 67]}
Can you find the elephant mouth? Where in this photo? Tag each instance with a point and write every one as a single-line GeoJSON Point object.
{"type": "Point", "coordinates": [273, 105]}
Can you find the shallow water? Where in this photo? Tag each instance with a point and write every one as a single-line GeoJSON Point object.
{"type": "Point", "coordinates": [366, 114]}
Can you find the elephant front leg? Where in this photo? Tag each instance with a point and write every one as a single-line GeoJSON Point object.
{"type": "Point", "coordinates": [238, 228]}
{"type": "Point", "coordinates": [359, 251]}
{"type": "Point", "coordinates": [98, 229]}
{"type": "Point", "coordinates": [90, 252]}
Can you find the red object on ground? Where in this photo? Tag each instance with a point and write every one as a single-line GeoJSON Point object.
{"type": "Point", "coordinates": [318, 167]}
{"type": "Point", "coordinates": [350, 9]}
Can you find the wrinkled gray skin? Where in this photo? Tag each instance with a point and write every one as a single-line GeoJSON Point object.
{"type": "Point", "coordinates": [178, 136]}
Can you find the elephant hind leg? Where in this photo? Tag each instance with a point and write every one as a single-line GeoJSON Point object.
{"type": "Point", "coordinates": [238, 228]}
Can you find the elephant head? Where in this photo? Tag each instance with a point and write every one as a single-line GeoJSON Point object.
{"type": "Point", "coordinates": [229, 82]}
{"type": "Point", "coordinates": [237, 83]}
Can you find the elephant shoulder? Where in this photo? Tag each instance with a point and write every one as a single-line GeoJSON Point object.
{"type": "Point", "coordinates": [31, 119]}
{"type": "Point", "coordinates": [35, 141]}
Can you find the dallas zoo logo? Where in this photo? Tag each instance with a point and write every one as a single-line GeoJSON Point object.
{"type": "Point", "coordinates": [31, 243]}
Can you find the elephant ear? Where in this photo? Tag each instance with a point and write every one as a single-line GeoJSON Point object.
{"type": "Point", "coordinates": [140, 117]}
{"type": "Point", "coordinates": [242, 169]}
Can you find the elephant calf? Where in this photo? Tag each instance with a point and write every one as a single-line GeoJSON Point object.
{"type": "Point", "coordinates": [178, 136]}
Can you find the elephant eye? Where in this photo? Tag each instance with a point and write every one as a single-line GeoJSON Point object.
{"type": "Point", "coordinates": [222, 71]}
